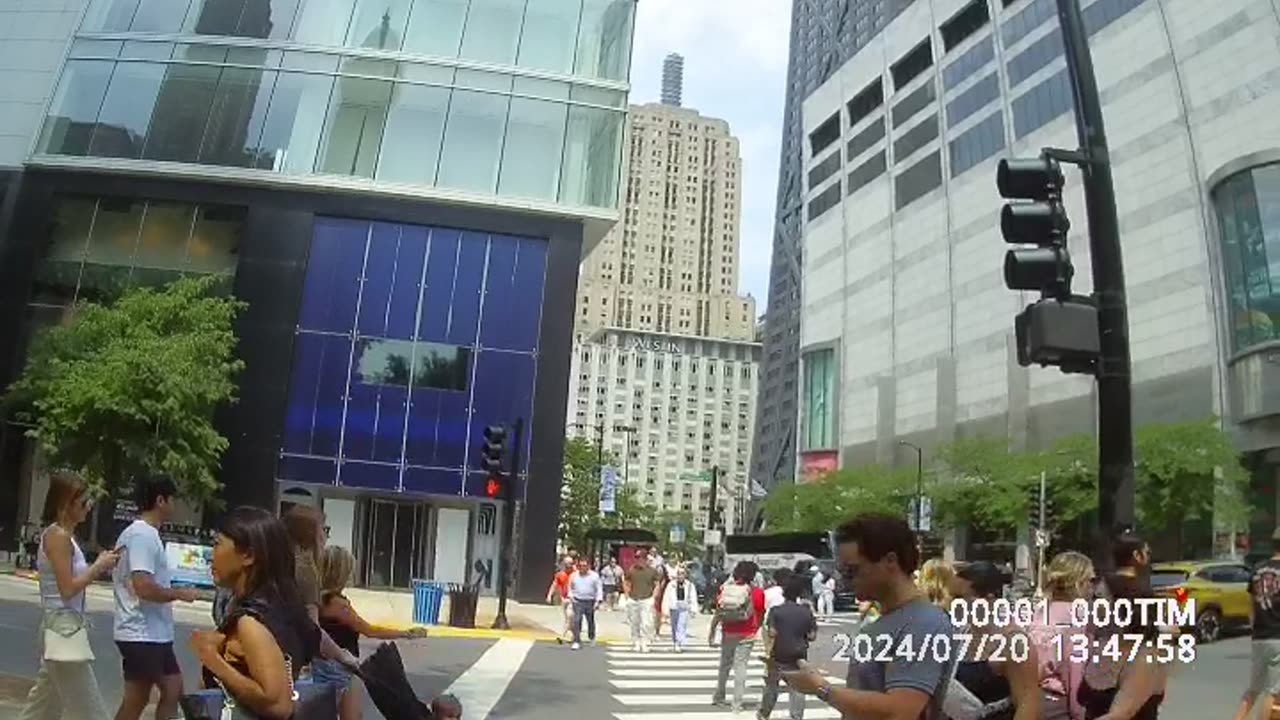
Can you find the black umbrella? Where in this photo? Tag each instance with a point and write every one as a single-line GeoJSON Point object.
{"type": "Point", "coordinates": [388, 685]}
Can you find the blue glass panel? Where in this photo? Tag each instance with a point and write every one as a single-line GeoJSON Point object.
{"type": "Point", "coordinates": [373, 476]}
{"type": "Point", "coordinates": [314, 421]}
{"type": "Point", "coordinates": [314, 471]}
{"type": "Point", "coordinates": [433, 481]}
{"type": "Point", "coordinates": [375, 423]}
{"type": "Point", "coordinates": [333, 272]}
{"type": "Point", "coordinates": [437, 429]}
{"type": "Point", "coordinates": [468, 282]}
{"type": "Point", "coordinates": [407, 287]}
{"type": "Point", "coordinates": [434, 322]}
{"type": "Point", "coordinates": [502, 392]}
{"type": "Point", "coordinates": [379, 272]}
{"type": "Point", "coordinates": [513, 293]}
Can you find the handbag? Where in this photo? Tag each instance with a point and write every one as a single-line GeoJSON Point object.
{"type": "Point", "coordinates": [66, 636]}
{"type": "Point", "coordinates": [311, 700]}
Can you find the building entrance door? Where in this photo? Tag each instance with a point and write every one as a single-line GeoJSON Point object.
{"type": "Point", "coordinates": [395, 543]}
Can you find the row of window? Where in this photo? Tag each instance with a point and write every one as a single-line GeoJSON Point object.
{"type": "Point", "coordinates": [484, 140]}
{"type": "Point", "coordinates": [590, 38]}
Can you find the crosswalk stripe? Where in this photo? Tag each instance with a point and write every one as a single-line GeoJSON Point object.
{"type": "Point", "coordinates": [663, 664]}
{"type": "Point", "coordinates": [706, 683]}
{"type": "Point", "coordinates": [824, 713]}
{"type": "Point", "coordinates": [677, 672]}
{"type": "Point", "coordinates": [699, 699]}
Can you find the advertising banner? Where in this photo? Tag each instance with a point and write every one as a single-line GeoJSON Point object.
{"type": "Point", "coordinates": [189, 565]}
{"type": "Point", "coordinates": [608, 489]}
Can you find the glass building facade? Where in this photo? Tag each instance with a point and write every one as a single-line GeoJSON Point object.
{"type": "Point", "coordinates": [507, 98]}
{"type": "Point", "coordinates": [1248, 207]}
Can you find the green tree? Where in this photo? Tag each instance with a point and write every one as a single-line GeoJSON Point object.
{"type": "Point", "coordinates": [1186, 471]}
{"type": "Point", "coordinates": [822, 505]}
{"type": "Point", "coordinates": [132, 387]}
{"type": "Point", "coordinates": [983, 483]}
{"type": "Point", "coordinates": [580, 496]}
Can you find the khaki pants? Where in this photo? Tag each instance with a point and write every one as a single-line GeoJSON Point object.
{"type": "Point", "coordinates": [65, 690]}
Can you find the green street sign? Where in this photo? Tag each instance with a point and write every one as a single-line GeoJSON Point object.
{"type": "Point", "coordinates": [704, 476]}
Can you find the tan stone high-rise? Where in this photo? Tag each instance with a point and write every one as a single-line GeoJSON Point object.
{"type": "Point", "coordinates": [670, 265]}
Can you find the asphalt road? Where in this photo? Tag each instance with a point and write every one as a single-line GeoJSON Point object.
{"type": "Point", "coordinates": [521, 680]}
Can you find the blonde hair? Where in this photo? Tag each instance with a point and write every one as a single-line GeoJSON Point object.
{"type": "Point", "coordinates": [935, 580]}
{"type": "Point", "coordinates": [1066, 574]}
{"type": "Point", "coordinates": [336, 568]}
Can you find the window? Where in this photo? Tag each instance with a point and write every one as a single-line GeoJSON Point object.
{"type": "Point", "coordinates": [866, 101]}
{"type": "Point", "coordinates": [983, 93]}
{"type": "Point", "coordinates": [918, 180]}
{"type": "Point", "coordinates": [1037, 55]}
{"type": "Point", "coordinates": [236, 118]}
{"type": "Point", "coordinates": [435, 27]}
{"type": "Point", "coordinates": [1104, 12]}
{"type": "Point", "coordinates": [977, 143]}
{"type": "Point", "coordinates": [378, 24]}
{"type": "Point", "coordinates": [604, 39]}
{"type": "Point", "coordinates": [534, 144]}
{"type": "Point", "coordinates": [913, 104]}
{"type": "Point", "coordinates": [415, 131]}
{"type": "Point", "coordinates": [269, 19]}
{"type": "Point", "coordinates": [969, 62]}
{"type": "Point", "coordinates": [291, 133]}
{"type": "Point", "coordinates": [915, 138]}
{"type": "Point", "coordinates": [492, 31]}
{"type": "Point", "coordinates": [473, 141]}
{"type": "Point", "coordinates": [873, 168]}
{"type": "Point", "coordinates": [1248, 209]}
{"type": "Point", "coordinates": [819, 400]}
{"type": "Point", "coordinates": [825, 134]}
{"type": "Point", "coordinates": [324, 22]}
{"type": "Point", "coordinates": [149, 16]}
{"type": "Point", "coordinates": [912, 64]}
{"type": "Point", "coordinates": [592, 143]}
{"type": "Point", "coordinates": [964, 24]}
{"type": "Point", "coordinates": [1043, 103]}
{"type": "Point", "coordinates": [353, 130]}
{"type": "Point", "coordinates": [74, 111]}
{"type": "Point", "coordinates": [547, 40]}
{"type": "Point", "coordinates": [126, 111]}
{"type": "Point", "coordinates": [824, 170]}
{"type": "Point", "coordinates": [1030, 18]}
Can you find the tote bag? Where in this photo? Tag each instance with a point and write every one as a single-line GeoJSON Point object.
{"type": "Point", "coordinates": [66, 636]}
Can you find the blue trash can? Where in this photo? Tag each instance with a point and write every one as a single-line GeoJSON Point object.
{"type": "Point", "coordinates": [428, 596]}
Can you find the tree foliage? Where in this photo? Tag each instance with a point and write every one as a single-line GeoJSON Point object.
{"type": "Point", "coordinates": [580, 496]}
{"type": "Point", "coordinates": [824, 504]}
{"type": "Point", "coordinates": [1186, 471]}
{"type": "Point", "coordinates": [132, 387]}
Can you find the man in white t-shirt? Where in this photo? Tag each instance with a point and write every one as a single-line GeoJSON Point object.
{"type": "Point", "coordinates": [144, 615]}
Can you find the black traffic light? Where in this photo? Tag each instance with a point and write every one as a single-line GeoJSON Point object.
{"type": "Point", "coordinates": [1040, 220]}
{"type": "Point", "coordinates": [495, 439]}
{"type": "Point", "coordinates": [493, 487]}
{"type": "Point", "coordinates": [1033, 504]}
{"type": "Point", "coordinates": [1060, 329]}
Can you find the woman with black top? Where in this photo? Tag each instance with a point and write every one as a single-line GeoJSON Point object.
{"type": "Point", "coordinates": [266, 636]}
{"type": "Point", "coordinates": [1113, 687]}
{"type": "Point", "coordinates": [345, 626]}
{"type": "Point", "coordinates": [1005, 687]}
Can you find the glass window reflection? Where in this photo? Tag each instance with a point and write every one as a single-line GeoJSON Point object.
{"type": "Point", "coordinates": [492, 32]}
{"type": "Point", "coordinates": [379, 24]}
{"type": "Point", "coordinates": [74, 110]}
{"type": "Point", "coordinates": [473, 141]}
{"type": "Point", "coordinates": [291, 133]}
{"type": "Point", "coordinates": [415, 127]}
{"type": "Point", "coordinates": [435, 27]}
{"type": "Point", "coordinates": [324, 22]}
{"type": "Point", "coordinates": [181, 113]}
{"type": "Point", "coordinates": [548, 39]}
{"type": "Point", "coordinates": [592, 142]}
{"type": "Point", "coordinates": [1248, 207]}
{"type": "Point", "coordinates": [353, 134]}
{"type": "Point", "coordinates": [110, 15]}
{"type": "Point", "coordinates": [535, 140]}
{"type": "Point", "coordinates": [236, 117]}
{"type": "Point", "coordinates": [262, 19]}
{"type": "Point", "coordinates": [604, 39]}
{"type": "Point", "coordinates": [126, 110]}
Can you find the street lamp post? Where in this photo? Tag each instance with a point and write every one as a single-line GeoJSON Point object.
{"type": "Point", "coordinates": [919, 484]}
{"type": "Point", "coordinates": [626, 458]}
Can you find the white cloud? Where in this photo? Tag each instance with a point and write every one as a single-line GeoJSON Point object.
{"type": "Point", "coordinates": [735, 68]}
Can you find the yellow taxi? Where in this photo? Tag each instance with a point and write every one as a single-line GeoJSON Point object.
{"type": "Point", "coordinates": [1219, 587]}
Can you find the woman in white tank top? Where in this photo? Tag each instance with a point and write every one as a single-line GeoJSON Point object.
{"type": "Point", "coordinates": [66, 689]}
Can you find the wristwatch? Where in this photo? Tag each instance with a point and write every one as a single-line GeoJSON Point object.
{"type": "Point", "coordinates": [824, 693]}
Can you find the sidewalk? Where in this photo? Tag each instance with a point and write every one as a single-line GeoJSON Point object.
{"type": "Point", "coordinates": [394, 609]}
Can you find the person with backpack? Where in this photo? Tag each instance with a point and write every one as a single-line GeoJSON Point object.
{"type": "Point", "coordinates": [739, 610]}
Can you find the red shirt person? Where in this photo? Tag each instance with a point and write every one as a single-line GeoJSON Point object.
{"type": "Point", "coordinates": [739, 610]}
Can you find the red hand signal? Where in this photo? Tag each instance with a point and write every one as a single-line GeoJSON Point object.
{"type": "Point", "coordinates": [492, 488]}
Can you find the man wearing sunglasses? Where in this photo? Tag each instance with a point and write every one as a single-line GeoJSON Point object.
{"type": "Point", "coordinates": [878, 554]}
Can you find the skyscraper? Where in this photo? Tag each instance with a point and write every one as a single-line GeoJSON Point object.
{"type": "Point", "coordinates": [673, 80]}
{"type": "Point", "coordinates": [824, 34]}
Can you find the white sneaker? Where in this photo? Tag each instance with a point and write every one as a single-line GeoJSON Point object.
{"type": "Point", "coordinates": [644, 647]}
{"type": "Point", "coordinates": [635, 647]}
{"type": "Point", "coordinates": [575, 646]}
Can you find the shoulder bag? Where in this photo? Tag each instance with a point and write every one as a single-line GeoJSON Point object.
{"type": "Point", "coordinates": [66, 636]}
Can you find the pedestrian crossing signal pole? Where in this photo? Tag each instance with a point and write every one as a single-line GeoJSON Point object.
{"type": "Point", "coordinates": [507, 554]}
{"type": "Point", "coordinates": [713, 514]}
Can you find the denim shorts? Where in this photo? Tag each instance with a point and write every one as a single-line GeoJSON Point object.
{"type": "Point", "coordinates": [331, 672]}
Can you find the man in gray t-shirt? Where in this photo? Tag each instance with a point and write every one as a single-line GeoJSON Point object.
{"type": "Point", "coordinates": [878, 553]}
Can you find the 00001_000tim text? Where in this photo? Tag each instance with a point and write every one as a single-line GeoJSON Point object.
{"type": "Point", "coordinates": [1099, 613]}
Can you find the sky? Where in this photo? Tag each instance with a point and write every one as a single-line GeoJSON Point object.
{"type": "Point", "coordinates": [735, 68]}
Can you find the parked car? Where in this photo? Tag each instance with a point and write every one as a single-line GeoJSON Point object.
{"type": "Point", "coordinates": [1220, 590]}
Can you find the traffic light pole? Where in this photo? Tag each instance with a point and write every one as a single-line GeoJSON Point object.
{"type": "Point", "coordinates": [1115, 412]}
{"type": "Point", "coordinates": [508, 526]}
{"type": "Point", "coordinates": [713, 514]}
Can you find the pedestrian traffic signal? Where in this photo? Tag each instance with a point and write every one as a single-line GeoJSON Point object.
{"type": "Point", "coordinates": [1060, 329]}
{"type": "Point", "coordinates": [495, 438]}
{"type": "Point", "coordinates": [1041, 222]}
{"type": "Point", "coordinates": [493, 487]}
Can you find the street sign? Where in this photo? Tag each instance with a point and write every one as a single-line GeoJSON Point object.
{"type": "Point", "coordinates": [711, 538]}
{"type": "Point", "coordinates": [703, 476]}
{"type": "Point", "coordinates": [676, 536]}
{"type": "Point", "coordinates": [1042, 539]}
{"type": "Point", "coordinates": [926, 515]}
{"type": "Point", "coordinates": [700, 521]}
{"type": "Point", "coordinates": [608, 489]}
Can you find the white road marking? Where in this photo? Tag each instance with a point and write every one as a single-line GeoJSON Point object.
{"type": "Point", "coordinates": [823, 713]}
{"type": "Point", "coordinates": [482, 685]}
